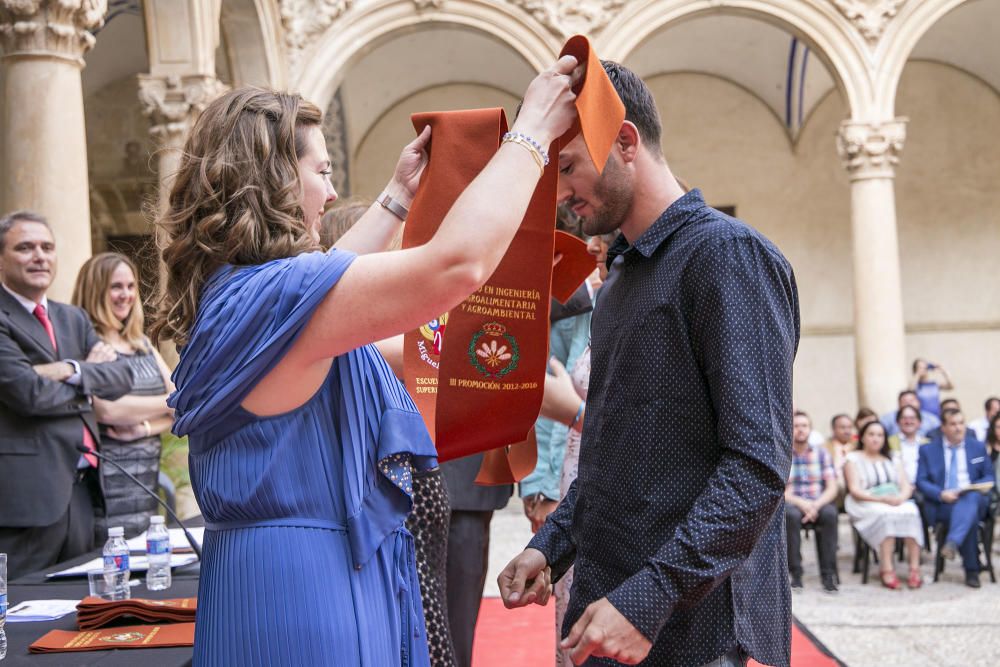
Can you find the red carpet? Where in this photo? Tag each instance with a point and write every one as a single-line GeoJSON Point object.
{"type": "Point", "coordinates": [526, 637]}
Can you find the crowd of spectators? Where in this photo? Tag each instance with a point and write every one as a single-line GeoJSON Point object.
{"type": "Point", "coordinates": [918, 478]}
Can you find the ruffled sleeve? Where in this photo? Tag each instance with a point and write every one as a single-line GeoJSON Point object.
{"type": "Point", "coordinates": [248, 319]}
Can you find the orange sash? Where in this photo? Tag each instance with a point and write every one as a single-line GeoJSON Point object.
{"type": "Point", "coordinates": [130, 636]}
{"type": "Point", "coordinates": [477, 373]}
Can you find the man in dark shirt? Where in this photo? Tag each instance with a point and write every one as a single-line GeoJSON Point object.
{"type": "Point", "coordinates": [675, 524]}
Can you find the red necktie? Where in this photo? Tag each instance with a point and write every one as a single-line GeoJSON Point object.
{"type": "Point", "coordinates": [88, 440]}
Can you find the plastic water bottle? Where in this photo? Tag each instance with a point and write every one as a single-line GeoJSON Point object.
{"type": "Point", "coordinates": [116, 560]}
{"type": "Point", "coordinates": [3, 605]}
{"type": "Point", "coordinates": [158, 553]}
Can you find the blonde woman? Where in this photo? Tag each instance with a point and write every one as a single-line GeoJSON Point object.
{"type": "Point", "coordinates": [107, 288]}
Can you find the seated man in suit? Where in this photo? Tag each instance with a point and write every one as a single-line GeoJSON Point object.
{"type": "Point", "coordinates": [948, 464]}
{"type": "Point", "coordinates": [51, 363]}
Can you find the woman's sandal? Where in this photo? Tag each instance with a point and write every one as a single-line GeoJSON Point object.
{"type": "Point", "coordinates": [889, 579]}
{"type": "Point", "coordinates": [915, 580]}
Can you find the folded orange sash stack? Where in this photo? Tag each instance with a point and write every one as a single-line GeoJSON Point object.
{"type": "Point", "coordinates": [172, 624]}
{"type": "Point", "coordinates": [129, 636]}
{"type": "Point", "coordinates": [477, 372]}
{"type": "Point", "coordinates": [93, 612]}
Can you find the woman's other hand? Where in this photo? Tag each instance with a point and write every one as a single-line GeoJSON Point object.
{"type": "Point", "coordinates": [410, 166]}
{"type": "Point", "coordinates": [548, 109]}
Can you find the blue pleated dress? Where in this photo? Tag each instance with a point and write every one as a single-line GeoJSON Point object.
{"type": "Point", "coordinates": [306, 559]}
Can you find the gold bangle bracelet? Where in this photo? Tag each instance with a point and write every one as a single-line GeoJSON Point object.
{"type": "Point", "coordinates": [531, 149]}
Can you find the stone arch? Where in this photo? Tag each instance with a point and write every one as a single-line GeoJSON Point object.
{"type": "Point", "coordinates": [829, 35]}
{"type": "Point", "coordinates": [250, 31]}
{"type": "Point", "coordinates": [357, 32]}
{"type": "Point", "coordinates": [899, 41]}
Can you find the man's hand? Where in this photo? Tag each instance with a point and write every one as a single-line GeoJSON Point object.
{"type": "Point", "coordinates": [543, 508]}
{"type": "Point", "coordinates": [949, 496]}
{"type": "Point", "coordinates": [810, 512]}
{"type": "Point", "coordinates": [100, 353]}
{"type": "Point", "coordinates": [57, 371]}
{"type": "Point", "coordinates": [526, 579]}
{"type": "Point", "coordinates": [602, 632]}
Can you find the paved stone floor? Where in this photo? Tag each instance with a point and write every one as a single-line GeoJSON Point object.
{"type": "Point", "coordinates": [941, 625]}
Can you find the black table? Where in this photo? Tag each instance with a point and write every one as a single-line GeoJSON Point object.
{"type": "Point", "coordinates": [36, 587]}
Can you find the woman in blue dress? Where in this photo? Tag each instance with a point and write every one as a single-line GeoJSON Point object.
{"type": "Point", "coordinates": [302, 440]}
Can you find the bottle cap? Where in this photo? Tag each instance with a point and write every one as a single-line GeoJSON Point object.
{"type": "Point", "coordinates": [116, 531]}
{"type": "Point", "coordinates": [155, 519]}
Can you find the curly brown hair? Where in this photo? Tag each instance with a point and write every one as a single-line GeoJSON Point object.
{"type": "Point", "coordinates": [236, 198]}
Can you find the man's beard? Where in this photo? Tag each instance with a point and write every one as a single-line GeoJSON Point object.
{"type": "Point", "coordinates": [615, 191]}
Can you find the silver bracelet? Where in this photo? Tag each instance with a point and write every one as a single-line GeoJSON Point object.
{"type": "Point", "coordinates": [513, 136]}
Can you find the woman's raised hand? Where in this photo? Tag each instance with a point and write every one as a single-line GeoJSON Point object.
{"type": "Point", "coordinates": [410, 166]}
{"type": "Point", "coordinates": [548, 110]}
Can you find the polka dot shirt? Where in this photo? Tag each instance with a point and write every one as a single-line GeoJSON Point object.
{"type": "Point", "coordinates": [674, 516]}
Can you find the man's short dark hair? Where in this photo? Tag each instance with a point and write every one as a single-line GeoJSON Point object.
{"type": "Point", "coordinates": [800, 413]}
{"type": "Point", "coordinates": [904, 393]}
{"type": "Point", "coordinates": [916, 412]}
{"type": "Point", "coordinates": [640, 108]}
{"type": "Point", "coordinates": [948, 413]}
{"type": "Point", "coordinates": [24, 215]}
{"type": "Point", "coordinates": [990, 401]}
{"type": "Point", "coordinates": [833, 422]}
{"type": "Point", "coordinates": [951, 401]}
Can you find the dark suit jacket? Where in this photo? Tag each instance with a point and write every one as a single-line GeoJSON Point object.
{"type": "Point", "coordinates": [464, 494]}
{"type": "Point", "coordinates": [931, 477]}
{"type": "Point", "coordinates": [41, 421]}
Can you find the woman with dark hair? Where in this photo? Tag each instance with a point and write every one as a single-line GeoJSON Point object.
{"type": "Point", "coordinates": [107, 288]}
{"type": "Point", "coordinates": [879, 504]}
{"type": "Point", "coordinates": [303, 443]}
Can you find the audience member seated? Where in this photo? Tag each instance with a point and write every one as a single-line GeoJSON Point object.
{"type": "Point", "coordinates": [993, 441]}
{"type": "Point", "coordinates": [840, 444]}
{"type": "Point", "coordinates": [951, 404]}
{"type": "Point", "coordinates": [948, 465]}
{"type": "Point", "coordinates": [905, 443]}
{"type": "Point", "coordinates": [864, 416]}
{"type": "Point", "coordinates": [107, 289]}
{"type": "Point", "coordinates": [928, 421]}
{"type": "Point", "coordinates": [879, 504]}
{"type": "Point", "coordinates": [928, 381]}
{"type": "Point", "coordinates": [51, 364]}
{"type": "Point", "coordinates": [981, 426]}
{"type": "Point", "coordinates": [809, 503]}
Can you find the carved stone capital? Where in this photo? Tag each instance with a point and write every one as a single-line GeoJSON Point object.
{"type": "Point", "coordinates": [871, 150]}
{"type": "Point", "coordinates": [305, 20]}
{"type": "Point", "coordinates": [869, 16]}
{"type": "Point", "coordinates": [570, 17]}
{"type": "Point", "coordinates": [60, 28]}
{"type": "Point", "coordinates": [173, 103]}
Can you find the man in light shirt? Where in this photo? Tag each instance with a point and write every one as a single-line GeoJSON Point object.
{"type": "Point", "coordinates": [981, 425]}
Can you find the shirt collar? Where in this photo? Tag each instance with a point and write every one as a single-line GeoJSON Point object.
{"type": "Point", "coordinates": [25, 302]}
{"type": "Point", "coordinates": [948, 445]}
{"type": "Point", "coordinates": [669, 222]}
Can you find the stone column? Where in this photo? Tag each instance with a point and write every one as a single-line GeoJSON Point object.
{"type": "Point", "coordinates": [172, 104]}
{"type": "Point", "coordinates": [41, 118]}
{"type": "Point", "coordinates": [870, 152]}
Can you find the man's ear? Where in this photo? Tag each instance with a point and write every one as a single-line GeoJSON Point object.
{"type": "Point", "coordinates": [628, 141]}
